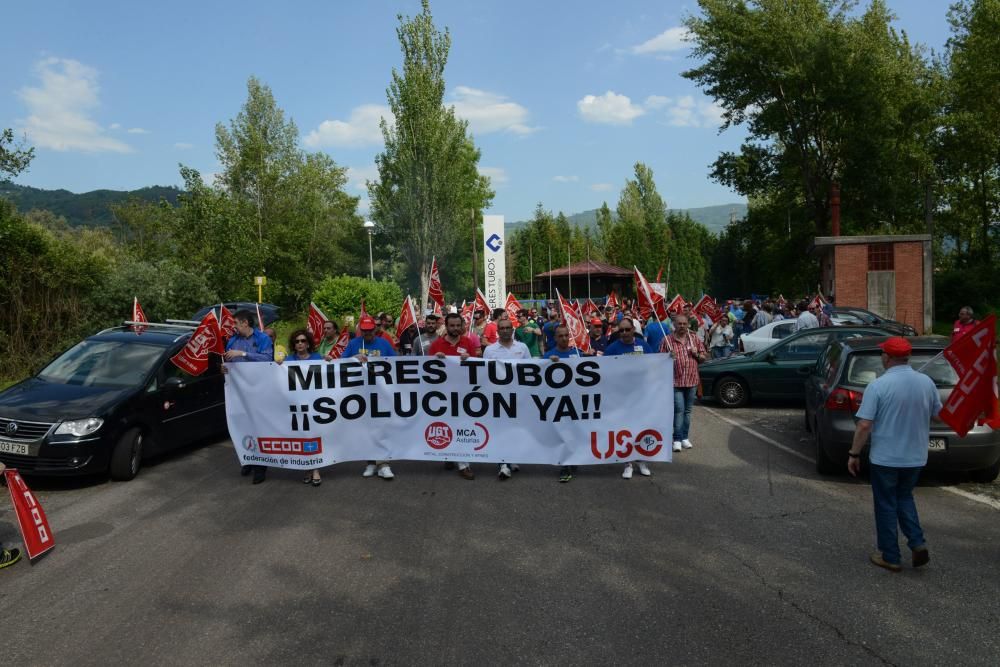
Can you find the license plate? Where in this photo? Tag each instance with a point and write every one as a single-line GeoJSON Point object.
{"type": "Point", "coordinates": [937, 444]}
{"type": "Point", "coordinates": [8, 447]}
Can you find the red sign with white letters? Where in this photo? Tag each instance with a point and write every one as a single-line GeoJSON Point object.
{"type": "Point", "coordinates": [31, 518]}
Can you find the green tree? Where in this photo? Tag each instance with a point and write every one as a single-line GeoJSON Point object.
{"type": "Point", "coordinates": [14, 157]}
{"type": "Point", "coordinates": [429, 187]}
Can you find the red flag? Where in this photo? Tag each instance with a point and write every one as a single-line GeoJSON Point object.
{"type": "Point", "coordinates": [646, 298]}
{"type": "Point", "coordinates": [481, 303]}
{"type": "Point", "coordinates": [227, 323]}
{"type": "Point", "coordinates": [612, 300]}
{"type": "Point", "coordinates": [138, 315]}
{"type": "Point", "coordinates": [206, 339]}
{"type": "Point", "coordinates": [31, 519]}
{"type": "Point", "coordinates": [407, 318]}
{"type": "Point", "coordinates": [578, 335]}
{"type": "Point", "coordinates": [467, 315]}
{"type": "Point", "coordinates": [437, 310]}
{"type": "Point", "coordinates": [513, 307]}
{"type": "Point", "coordinates": [676, 304]}
{"type": "Point", "coordinates": [364, 313]}
{"type": "Point", "coordinates": [435, 292]}
{"type": "Point", "coordinates": [590, 308]}
{"type": "Point", "coordinates": [974, 358]}
{"type": "Point", "coordinates": [817, 302]}
{"type": "Point", "coordinates": [337, 350]}
{"type": "Point", "coordinates": [315, 323]}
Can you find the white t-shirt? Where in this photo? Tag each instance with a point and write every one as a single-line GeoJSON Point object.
{"type": "Point", "coordinates": [721, 336]}
{"type": "Point", "coordinates": [498, 350]}
{"type": "Point", "coordinates": [806, 321]}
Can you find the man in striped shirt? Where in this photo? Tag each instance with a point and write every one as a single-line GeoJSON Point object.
{"type": "Point", "coordinates": [688, 351]}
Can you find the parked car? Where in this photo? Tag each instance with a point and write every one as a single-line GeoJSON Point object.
{"type": "Point", "coordinates": [851, 316]}
{"type": "Point", "coordinates": [777, 372]}
{"type": "Point", "coordinates": [836, 385]}
{"type": "Point", "coordinates": [766, 336]}
{"type": "Point", "coordinates": [109, 402]}
{"type": "Point", "coordinates": [268, 311]}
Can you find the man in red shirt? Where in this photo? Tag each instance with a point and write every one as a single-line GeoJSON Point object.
{"type": "Point", "coordinates": [688, 351]}
{"type": "Point", "coordinates": [454, 344]}
{"type": "Point", "coordinates": [964, 323]}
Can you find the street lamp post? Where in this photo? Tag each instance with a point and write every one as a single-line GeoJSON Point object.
{"type": "Point", "coordinates": [369, 225]}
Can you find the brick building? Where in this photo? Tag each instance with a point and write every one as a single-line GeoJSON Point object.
{"type": "Point", "coordinates": [888, 275]}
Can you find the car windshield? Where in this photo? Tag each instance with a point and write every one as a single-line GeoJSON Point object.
{"type": "Point", "coordinates": [863, 368]}
{"type": "Point", "coordinates": [103, 363]}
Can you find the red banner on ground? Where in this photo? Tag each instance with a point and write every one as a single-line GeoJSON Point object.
{"type": "Point", "coordinates": [974, 398]}
{"type": "Point", "coordinates": [31, 519]}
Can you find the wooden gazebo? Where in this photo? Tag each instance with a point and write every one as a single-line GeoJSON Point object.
{"type": "Point", "coordinates": [576, 280]}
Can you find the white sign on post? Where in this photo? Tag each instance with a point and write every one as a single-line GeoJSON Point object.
{"type": "Point", "coordinates": [494, 261]}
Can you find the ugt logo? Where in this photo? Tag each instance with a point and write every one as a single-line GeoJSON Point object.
{"type": "Point", "coordinates": [438, 435]}
{"type": "Point", "coordinates": [622, 444]}
{"type": "Point", "coordinates": [494, 242]}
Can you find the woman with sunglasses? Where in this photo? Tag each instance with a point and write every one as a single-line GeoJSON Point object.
{"type": "Point", "coordinates": [301, 345]}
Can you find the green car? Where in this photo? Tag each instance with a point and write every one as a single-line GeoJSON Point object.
{"type": "Point", "coordinates": [778, 372]}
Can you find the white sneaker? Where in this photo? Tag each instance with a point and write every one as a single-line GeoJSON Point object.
{"type": "Point", "coordinates": [627, 473]}
{"type": "Point", "coordinates": [369, 470]}
{"type": "Point", "coordinates": [644, 470]}
{"type": "Point", "coordinates": [505, 471]}
{"type": "Point", "coordinates": [677, 445]}
{"type": "Point", "coordinates": [686, 444]}
{"type": "Point", "coordinates": [385, 472]}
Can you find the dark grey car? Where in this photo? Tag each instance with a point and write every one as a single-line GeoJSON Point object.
{"type": "Point", "coordinates": [833, 393]}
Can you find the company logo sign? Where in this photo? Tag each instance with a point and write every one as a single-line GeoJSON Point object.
{"type": "Point", "coordinates": [494, 242]}
{"type": "Point", "coordinates": [440, 435]}
{"type": "Point", "coordinates": [11, 428]}
{"type": "Point", "coordinates": [288, 446]}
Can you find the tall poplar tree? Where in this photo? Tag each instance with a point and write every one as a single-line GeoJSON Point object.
{"type": "Point", "coordinates": [429, 194]}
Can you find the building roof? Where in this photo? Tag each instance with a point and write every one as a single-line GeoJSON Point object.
{"type": "Point", "coordinates": [593, 267]}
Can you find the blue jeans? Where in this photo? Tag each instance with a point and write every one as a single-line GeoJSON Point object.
{"type": "Point", "coordinates": [720, 352]}
{"type": "Point", "coordinates": [892, 491]}
{"type": "Point", "coordinates": [683, 402]}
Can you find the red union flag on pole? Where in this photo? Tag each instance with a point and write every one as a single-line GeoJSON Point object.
{"type": "Point", "coordinates": [513, 307]}
{"type": "Point", "coordinates": [817, 302]}
{"type": "Point", "coordinates": [676, 305]}
{"type": "Point", "coordinates": [481, 302]}
{"type": "Point", "coordinates": [578, 335]}
{"type": "Point", "coordinates": [315, 323]}
{"type": "Point", "coordinates": [974, 398]}
{"type": "Point", "coordinates": [226, 321]}
{"type": "Point", "coordinates": [338, 350]}
{"type": "Point", "coordinates": [206, 339]}
{"type": "Point", "coordinates": [31, 519]}
{"type": "Point", "coordinates": [435, 292]}
{"type": "Point", "coordinates": [646, 298]}
{"type": "Point", "coordinates": [407, 318]}
{"type": "Point", "coordinates": [612, 300]}
{"type": "Point", "coordinates": [467, 315]}
{"type": "Point", "coordinates": [138, 315]}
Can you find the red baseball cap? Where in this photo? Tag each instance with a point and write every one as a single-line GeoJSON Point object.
{"type": "Point", "coordinates": [596, 320]}
{"type": "Point", "coordinates": [897, 346]}
{"type": "Point", "coordinates": [366, 323]}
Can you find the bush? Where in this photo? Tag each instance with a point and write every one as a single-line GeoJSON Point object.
{"type": "Point", "coordinates": [966, 286]}
{"type": "Point", "coordinates": [342, 296]}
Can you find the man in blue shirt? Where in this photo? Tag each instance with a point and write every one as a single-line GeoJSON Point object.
{"type": "Point", "coordinates": [370, 344]}
{"type": "Point", "coordinates": [249, 344]}
{"type": "Point", "coordinates": [627, 342]}
{"type": "Point", "coordinates": [654, 332]}
{"type": "Point", "coordinates": [549, 330]}
{"type": "Point", "coordinates": [561, 349]}
{"type": "Point", "coordinates": [896, 412]}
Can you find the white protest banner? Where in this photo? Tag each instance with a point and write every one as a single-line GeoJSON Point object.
{"type": "Point", "coordinates": [305, 415]}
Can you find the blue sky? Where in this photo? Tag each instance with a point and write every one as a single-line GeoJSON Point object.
{"type": "Point", "coordinates": [562, 97]}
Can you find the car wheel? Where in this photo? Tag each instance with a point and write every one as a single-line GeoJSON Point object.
{"type": "Point", "coordinates": [732, 392]}
{"type": "Point", "coordinates": [127, 456]}
{"type": "Point", "coordinates": [824, 465]}
{"type": "Point", "coordinates": [986, 475]}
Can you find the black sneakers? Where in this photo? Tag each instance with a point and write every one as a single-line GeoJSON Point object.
{"type": "Point", "coordinates": [8, 557]}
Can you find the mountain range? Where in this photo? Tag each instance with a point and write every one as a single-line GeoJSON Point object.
{"type": "Point", "coordinates": [93, 208]}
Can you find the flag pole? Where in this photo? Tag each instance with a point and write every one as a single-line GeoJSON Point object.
{"type": "Point", "coordinates": [930, 361]}
{"type": "Point", "coordinates": [652, 304]}
{"type": "Point", "coordinates": [588, 270]}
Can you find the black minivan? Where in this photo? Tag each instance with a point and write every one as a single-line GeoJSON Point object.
{"type": "Point", "coordinates": [109, 402]}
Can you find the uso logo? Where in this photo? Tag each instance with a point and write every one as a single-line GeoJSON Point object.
{"type": "Point", "coordinates": [622, 444]}
{"type": "Point", "coordinates": [438, 435]}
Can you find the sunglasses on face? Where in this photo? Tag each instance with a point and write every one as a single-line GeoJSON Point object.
{"type": "Point", "coordinates": [301, 340]}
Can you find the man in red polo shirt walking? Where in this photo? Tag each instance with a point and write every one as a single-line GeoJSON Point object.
{"type": "Point", "coordinates": [688, 351]}
{"type": "Point", "coordinates": [454, 344]}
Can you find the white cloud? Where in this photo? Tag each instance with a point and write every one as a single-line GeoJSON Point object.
{"type": "Point", "coordinates": [610, 108]}
{"type": "Point", "coordinates": [490, 112]}
{"type": "Point", "coordinates": [364, 205]}
{"type": "Point", "coordinates": [497, 175]}
{"type": "Point", "coordinates": [565, 179]}
{"type": "Point", "coordinates": [59, 110]}
{"type": "Point", "coordinates": [183, 146]}
{"type": "Point", "coordinates": [654, 102]}
{"type": "Point", "coordinates": [356, 176]}
{"type": "Point", "coordinates": [114, 126]}
{"type": "Point", "coordinates": [137, 130]}
{"type": "Point", "coordinates": [360, 129]}
{"type": "Point", "coordinates": [671, 39]}
{"type": "Point", "coordinates": [601, 187]}
{"type": "Point", "coordinates": [687, 112]}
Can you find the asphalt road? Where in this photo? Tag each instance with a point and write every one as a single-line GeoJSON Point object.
{"type": "Point", "coordinates": [736, 553]}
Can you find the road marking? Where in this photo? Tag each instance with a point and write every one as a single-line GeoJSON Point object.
{"type": "Point", "coordinates": [968, 495]}
{"type": "Point", "coordinates": [761, 436]}
{"type": "Point", "coordinates": [985, 500]}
